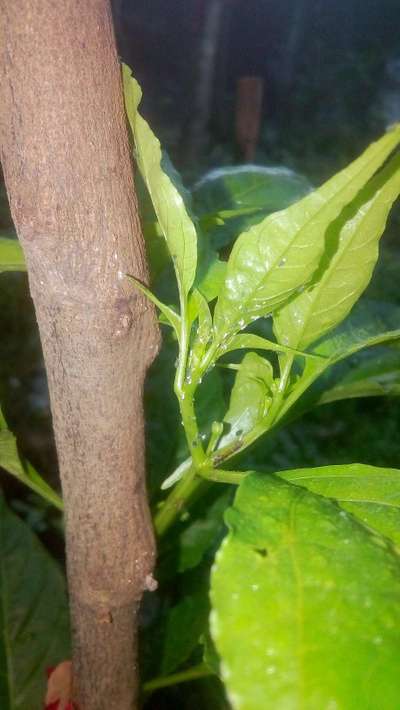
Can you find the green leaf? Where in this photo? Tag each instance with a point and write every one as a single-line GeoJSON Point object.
{"type": "Point", "coordinates": [23, 470]}
{"type": "Point", "coordinates": [372, 373]}
{"type": "Point", "coordinates": [370, 493]}
{"type": "Point", "coordinates": [11, 255]}
{"type": "Point", "coordinates": [370, 323]}
{"type": "Point", "coordinates": [232, 198]}
{"type": "Point", "coordinates": [210, 655]}
{"type": "Point", "coordinates": [176, 225]}
{"type": "Point", "coordinates": [203, 534]}
{"type": "Point", "coordinates": [199, 309]}
{"type": "Point", "coordinates": [250, 397]}
{"type": "Point", "coordinates": [172, 318]}
{"type": "Point", "coordinates": [185, 623]}
{"type": "Point", "coordinates": [256, 342]}
{"type": "Point", "coordinates": [375, 376]}
{"type": "Point", "coordinates": [279, 255]}
{"type": "Point", "coordinates": [305, 604]}
{"type": "Point", "coordinates": [237, 188]}
{"type": "Point", "coordinates": [33, 615]}
{"type": "Point", "coordinates": [211, 282]}
{"type": "Point", "coordinates": [351, 254]}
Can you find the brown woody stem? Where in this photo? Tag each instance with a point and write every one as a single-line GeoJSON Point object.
{"type": "Point", "coordinates": [66, 162]}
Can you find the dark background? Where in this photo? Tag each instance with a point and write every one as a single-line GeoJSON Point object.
{"type": "Point", "coordinates": [331, 72]}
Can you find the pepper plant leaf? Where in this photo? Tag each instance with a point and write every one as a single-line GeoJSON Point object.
{"type": "Point", "coordinates": [274, 258]}
{"type": "Point", "coordinates": [370, 493]}
{"type": "Point", "coordinates": [351, 254]}
{"type": "Point", "coordinates": [176, 225]}
{"type": "Point", "coordinates": [377, 376]}
{"type": "Point", "coordinates": [11, 255]}
{"type": "Point", "coordinates": [169, 314]}
{"type": "Point", "coordinates": [23, 470]}
{"type": "Point", "coordinates": [370, 323]}
{"type": "Point", "coordinates": [298, 588]}
{"type": "Point", "coordinates": [250, 397]}
{"type": "Point", "coordinates": [34, 631]}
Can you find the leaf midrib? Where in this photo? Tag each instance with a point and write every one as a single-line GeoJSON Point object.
{"type": "Point", "coordinates": [315, 215]}
{"type": "Point", "coordinates": [320, 288]}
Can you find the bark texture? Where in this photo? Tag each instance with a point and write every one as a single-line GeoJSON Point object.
{"type": "Point", "coordinates": [66, 162]}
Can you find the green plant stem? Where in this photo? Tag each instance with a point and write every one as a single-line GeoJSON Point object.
{"type": "Point", "coordinates": [206, 466]}
{"type": "Point", "coordinates": [200, 671]}
{"type": "Point", "coordinates": [302, 385]}
{"type": "Point", "coordinates": [185, 392]}
{"type": "Point", "coordinates": [189, 484]}
{"type": "Point", "coordinates": [174, 504]}
{"type": "Point", "coordinates": [221, 476]}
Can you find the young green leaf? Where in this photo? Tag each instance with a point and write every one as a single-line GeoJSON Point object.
{"type": "Point", "coordinates": [374, 373]}
{"type": "Point", "coordinates": [199, 309]}
{"type": "Point", "coordinates": [172, 317]}
{"type": "Point", "coordinates": [250, 397]}
{"type": "Point", "coordinates": [176, 225]}
{"type": "Point", "coordinates": [273, 259]}
{"type": "Point", "coordinates": [373, 377]}
{"type": "Point", "coordinates": [34, 630]}
{"type": "Point", "coordinates": [11, 255]}
{"type": "Point", "coordinates": [298, 588]}
{"type": "Point", "coordinates": [370, 323]}
{"type": "Point", "coordinates": [370, 493]}
{"type": "Point", "coordinates": [24, 471]}
{"type": "Point", "coordinates": [256, 342]}
{"type": "Point", "coordinates": [352, 252]}
{"type": "Point", "coordinates": [185, 623]}
{"type": "Point", "coordinates": [214, 276]}
{"type": "Point", "coordinates": [203, 534]}
{"type": "Point", "coordinates": [231, 199]}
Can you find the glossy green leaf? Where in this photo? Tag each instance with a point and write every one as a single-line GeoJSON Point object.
{"type": "Point", "coordinates": [232, 198]}
{"type": "Point", "coordinates": [211, 282]}
{"type": "Point", "coordinates": [374, 372]}
{"type": "Point", "coordinates": [370, 493]}
{"type": "Point", "coordinates": [250, 397]}
{"type": "Point", "coordinates": [366, 377]}
{"type": "Point", "coordinates": [199, 310]}
{"type": "Point", "coordinates": [305, 604]}
{"type": "Point", "coordinates": [250, 187]}
{"type": "Point", "coordinates": [256, 342]}
{"type": "Point", "coordinates": [279, 255]}
{"type": "Point", "coordinates": [23, 470]}
{"type": "Point", "coordinates": [351, 254]}
{"type": "Point", "coordinates": [370, 323]}
{"type": "Point", "coordinates": [11, 255]}
{"type": "Point", "coordinates": [176, 225]}
{"type": "Point", "coordinates": [33, 615]}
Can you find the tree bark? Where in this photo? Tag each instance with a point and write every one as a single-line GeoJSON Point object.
{"type": "Point", "coordinates": [67, 168]}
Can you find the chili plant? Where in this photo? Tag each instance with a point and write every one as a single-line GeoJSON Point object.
{"type": "Point", "coordinates": [308, 572]}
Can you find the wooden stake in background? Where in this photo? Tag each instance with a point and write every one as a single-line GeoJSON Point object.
{"type": "Point", "coordinates": [248, 115]}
